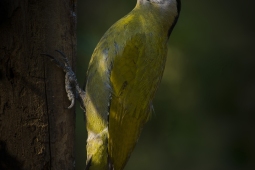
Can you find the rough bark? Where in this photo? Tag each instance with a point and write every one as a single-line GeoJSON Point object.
{"type": "Point", "coordinates": [36, 129]}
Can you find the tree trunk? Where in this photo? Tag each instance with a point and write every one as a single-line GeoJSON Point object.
{"type": "Point", "coordinates": [36, 129]}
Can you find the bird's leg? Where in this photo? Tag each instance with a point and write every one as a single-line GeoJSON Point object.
{"type": "Point", "coordinates": [70, 80]}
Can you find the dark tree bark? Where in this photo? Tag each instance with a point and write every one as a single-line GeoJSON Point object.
{"type": "Point", "coordinates": [36, 129]}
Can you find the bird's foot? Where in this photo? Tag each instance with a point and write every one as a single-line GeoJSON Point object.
{"type": "Point", "coordinates": [72, 87]}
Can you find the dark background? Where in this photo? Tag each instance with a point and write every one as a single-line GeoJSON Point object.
{"type": "Point", "coordinates": [205, 106]}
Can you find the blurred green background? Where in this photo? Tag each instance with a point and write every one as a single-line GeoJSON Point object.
{"type": "Point", "coordinates": [205, 106]}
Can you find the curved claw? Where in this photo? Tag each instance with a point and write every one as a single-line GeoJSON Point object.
{"type": "Point", "coordinates": [72, 103]}
{"type": "Point", "coordinates": [64, 58]}
{"type": "Point", "coordinates": [57, 62]}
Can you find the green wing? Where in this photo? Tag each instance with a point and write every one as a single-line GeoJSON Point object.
{"type": "Point", "coordinates": [135, 75]}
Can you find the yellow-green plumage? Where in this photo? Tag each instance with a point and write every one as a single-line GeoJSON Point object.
{"type": "Point", "coordinates": [123, 76]}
